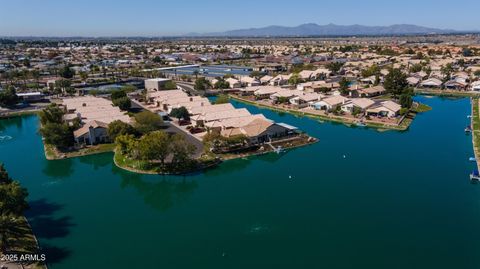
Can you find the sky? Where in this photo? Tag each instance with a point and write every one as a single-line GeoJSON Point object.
{"type": "Point", "coordinates": [174, 17]}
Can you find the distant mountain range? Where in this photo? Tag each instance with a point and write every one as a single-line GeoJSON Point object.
{"type": "Point", "coordinates": [313, 29]}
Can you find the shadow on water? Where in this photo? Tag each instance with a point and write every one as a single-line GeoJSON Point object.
{"type": "Point", "coordinates": [46, 225]}
{"type": "Point", "coordinates": [161, 193]}
{"type": "Point", "coordinates": [59, 169]}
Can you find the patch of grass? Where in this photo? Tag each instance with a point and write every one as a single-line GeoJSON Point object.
{"type": "Point", "coordinates": [476, 127]}
{"type": "Point", "coordinates": [420, 108]}
{"type": "Point", "coordinates": [446, 93]}
{"type": "Point", "coordinates": [52, 153]}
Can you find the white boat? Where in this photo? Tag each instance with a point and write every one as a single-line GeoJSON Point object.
{"type": "Point", "coordinates": [472, 159]}
{"type": "Point", "coordinates": [475, 176]}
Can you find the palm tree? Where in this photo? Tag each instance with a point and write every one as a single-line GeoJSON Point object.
{"type": "Point", "coordinates": [8, 226]}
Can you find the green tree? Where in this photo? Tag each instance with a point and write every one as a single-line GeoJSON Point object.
{"type": "Point", "coordinates": [118, 127]}
{"type": "Point", "coordinates": [222, 99]}
{"type": "Point", "coordinates": [155, 146]}
{"type": "Point", "coordinates": [146, 122]}
{"type": "Point", "coordinates": [118, 94]}
{"type": "Point", "coordinates": [13, 199]}
{"type": "Point", "coordinates": [344, 85]}
{"type": "Point", "coordinates": [4, 177]}
{"type": "Point", "coordinates": [127, 144]}
{"type": "Point", "coordinates": [406, 100]}
{"type": "Point", "coordinates": [334, 67]}
{"type": "Point", "coordinates": [170, 85]}
{"type": "Point", "coordinates": [373, 70]}
{"type": "Point", "coordinates": [295, 79]}
{"type": "Point", "coordinates": [51, 114]}
{"type": "Point", "coordinates": [221, 84]}
{"type": "Point", "coordinates": [57, 134]}
{"type": "Point", "coordinates": [395, 82]}
{"type": "Point", "coordinates": [123, 103]}
{"type": "Point", "coordinates": [180, 113]}
{"type": "Point", "coordinates": [67, 72]}
{"type": "Point", "coordinates": [201, 84]}
{"type": "Point", "coordinates": [8, 97]}
{"type": "Point", "coordinates": [181, 151]}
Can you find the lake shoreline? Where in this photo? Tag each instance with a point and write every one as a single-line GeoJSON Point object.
{"type": "Point", "coordinates": [403, 124]}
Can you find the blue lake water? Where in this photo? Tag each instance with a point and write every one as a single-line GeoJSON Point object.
{"type": "Point", "coordinates": [397, 200]}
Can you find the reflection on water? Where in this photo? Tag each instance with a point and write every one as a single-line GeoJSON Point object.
{"type": "Point", "coordinates": [97, 161]}
{"type": "Point", "coordinates": [58, 169]}
{"type": "Point", "coordinates": [160, 193]}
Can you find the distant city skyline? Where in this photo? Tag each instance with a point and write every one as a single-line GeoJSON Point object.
{"type": "Point", "coordinates": [151, 18]}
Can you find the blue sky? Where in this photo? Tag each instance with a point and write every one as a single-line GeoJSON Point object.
{"type": "Point", "coordinates": [157, 18]}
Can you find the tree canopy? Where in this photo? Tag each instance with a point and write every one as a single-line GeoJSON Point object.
{"type": "Point", "coordinates": [8, 97]}
{"type": "Point", "coordinates": [180, 113]}
{"type": "Point", "coordinates": [396, 82]}
{"type": "Point", "coordinates": [146, 122]}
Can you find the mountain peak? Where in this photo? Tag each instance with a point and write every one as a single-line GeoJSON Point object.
{"type": "Point", "coordinates": [313, 29]}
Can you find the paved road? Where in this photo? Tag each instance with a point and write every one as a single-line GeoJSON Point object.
{"type": "Point", "coordinates": [189, 137]}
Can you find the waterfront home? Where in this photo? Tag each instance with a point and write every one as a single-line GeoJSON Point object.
{"type": "Point", "coordinates": [201, 119]}
{"type": "Point", "coordinates": [93, 132]}
{"type": "Point", "coordinates": [156, 84]}
{"type": "Point", "coordinates": [89, 108]}
{"type": "Point", "coordinates": [330, 103]}
{"type": "Point", "coordinates": [431, 83]}
{"type": "Point", "coordinates": [233, 122]}
{"type": "Point", "coordinates": [264, 92]}
{"type": "Point", "coordinates": [248, 91]}
{"type": "Point", "coordinates": [360, 103]}
{"type": "Point", "coordinates": [260, 131]}
{"type": "Point", "coordinates": [384, 109]}
{"type": "Point", "coordinates": [456, 84]}
{"type": "Point", "coordinates": [282, 95]}
{"type": "Point", "coordinates": [202, 110]}
{"type": "Point", "coordinates": [305, 99]}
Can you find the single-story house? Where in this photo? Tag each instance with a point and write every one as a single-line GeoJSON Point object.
{"type": "Point", "coordinates": [431, 83]}
{"type": "Point", "coordinates": [361, 103]}
{"type": "Point", "coordinates": [260, 131]}
{"type": "Point", "coordinates": [330, 103]}
{"type": "Point", "coordinates": [384, 109]}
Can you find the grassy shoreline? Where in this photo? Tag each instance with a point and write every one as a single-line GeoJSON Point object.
{"type": "Point", "coordinates": [446, 93]}
{"type": "Point", "coordinates": [51, 153]}
{"type": "Point", "coordinates": [213, 160]}
{"type": "Point", "coordinates": [475, 123]}
{"type": "Point", "coordinates": [402, 126]}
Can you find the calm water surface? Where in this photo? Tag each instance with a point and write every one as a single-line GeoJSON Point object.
{"type": "Point", "coordinates": [397, 200]}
